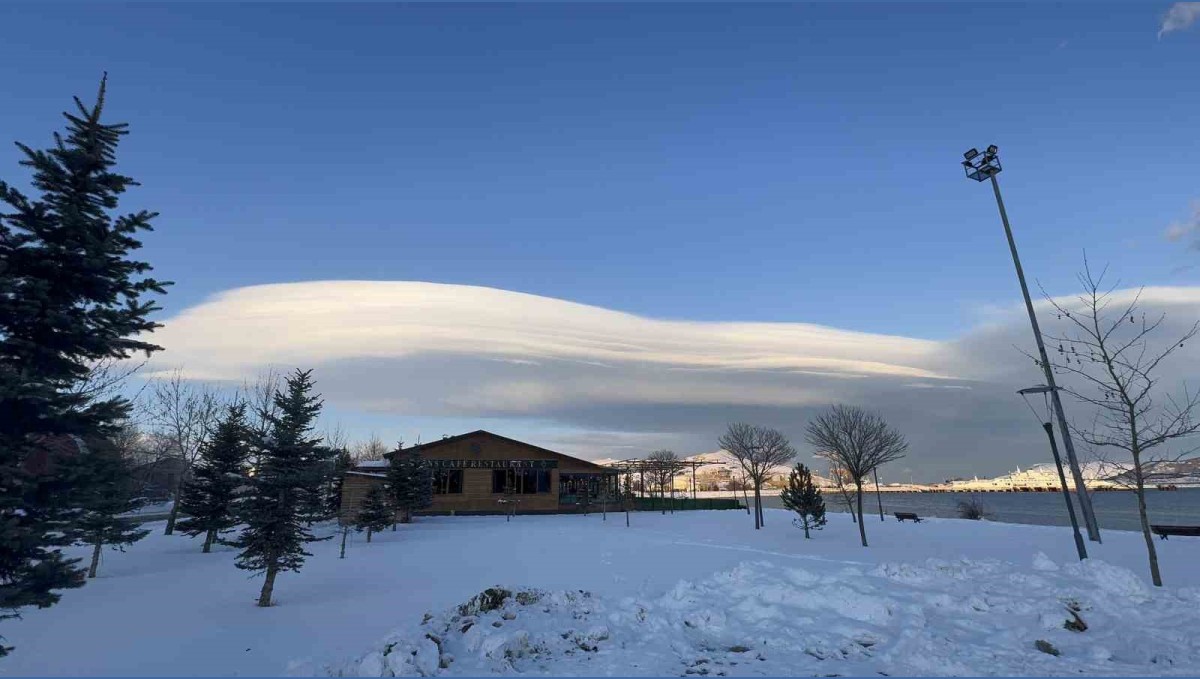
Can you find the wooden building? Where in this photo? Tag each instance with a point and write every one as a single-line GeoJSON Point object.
{"type": "Point", "coordinates": [485, 473]}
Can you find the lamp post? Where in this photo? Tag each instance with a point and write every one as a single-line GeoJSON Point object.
{"type": "Point", "coordinates": [1062, 479]}
{"type": "Point", "coordinates": [985, 166]}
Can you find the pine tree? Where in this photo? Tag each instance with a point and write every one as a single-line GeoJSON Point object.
{"type": "Point", "coordinates": [804, 498]}
{"type": "Point", "coordinates": [70, 295]}
{"type": "Point", "coordinates": [274, 507]}
{"type": "Point", "coordinates": [108, 493]}
{"type": "Point", "coordinates": [375, 513]}
{"type": "Point", "coordinates": [410, 481]}
{"type": "Point", "coordinates": [342, 463]}
{"type": "Point", "coordinates": [219, 474]}
{"type": "Point", "coordinates": [323, 480]}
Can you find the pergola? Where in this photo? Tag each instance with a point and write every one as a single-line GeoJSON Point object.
{"type": "Point", "coordinates": [639, 467]}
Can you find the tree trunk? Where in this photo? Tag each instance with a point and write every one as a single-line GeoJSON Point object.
{"type": "Point", "coordinates": [264, 597]}
{"type": "Point", "coordinates": [407, 515]}
{"type": "Point", "coordinates": [757, 506]}
{"type": "Point", "coordinates": [174, 506]}
{"type": "Point", "coordinates": [369, 532]}
{"type": "Point", "coordinates": [1155, 576]}
{"type": "Point", "coordinates": [345, 530]}
{"type": "Point", "coordinates": [209, 536]}
{"type": "Point", "coordinates": [95, 559]}
{"type": "Point", "coordinates": [862, 530]}
{"type": "Point", "coordinates": [805, 522]}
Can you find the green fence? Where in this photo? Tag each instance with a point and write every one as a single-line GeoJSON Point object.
{"type": "Point", "coordinates": [643, 504]}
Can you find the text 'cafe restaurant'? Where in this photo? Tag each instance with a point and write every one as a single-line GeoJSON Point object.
{"type": "Point", "coordinates": [473, 472]}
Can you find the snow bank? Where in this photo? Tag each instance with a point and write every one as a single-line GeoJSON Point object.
{"type": "Point", "coordinates": [937, 617]}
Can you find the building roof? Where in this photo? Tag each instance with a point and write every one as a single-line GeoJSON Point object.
{"type": "Point", "coordinates": [374, 476]}
{"type": "Point", "coordinates": [484, 432]}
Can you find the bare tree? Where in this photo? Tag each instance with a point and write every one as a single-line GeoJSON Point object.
{"type": "Point", "coordinates": [336, 438]}
{"type": "Point", "coordinates": [183, 414]}
{"type": "Point", "coordinates": [261, 408]}
{"type": "Point", "coordinates": [858, 442]}
{"type": "Point", "coordinates": [663, 466]}
{"type": "Point", "coordinates": [373, 449]}
{"type": "Point", "coordinates": [106, 378]}
{"type": "Point", "coordinates": [1107, 349]}
{"type": "Point", "coordinates": [758, 450]}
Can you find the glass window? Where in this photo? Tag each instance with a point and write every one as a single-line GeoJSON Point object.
{"type": "Point", "coordinates": [521, 481]}
{"type": "Point", "coordinates": [447, 481]}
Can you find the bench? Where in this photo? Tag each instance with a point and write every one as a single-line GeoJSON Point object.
{"type": "Point", "coordinates": [907, 516]}
{"type": "Point", "coordinates": [1164, 531]}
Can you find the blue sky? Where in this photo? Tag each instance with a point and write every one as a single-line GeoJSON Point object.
{"type": "Point", "coordinates": [772, 163]}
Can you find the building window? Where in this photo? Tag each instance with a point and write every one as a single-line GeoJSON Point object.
{"type": "Point", "coordinates": [576, 488]}
{"type": "Point", "coordinates": [521, 481]}
{"type": "Point", "coordinates": [447, 481]}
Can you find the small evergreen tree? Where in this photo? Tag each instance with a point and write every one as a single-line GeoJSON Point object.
{"type": "Point", "coordinates": [375, 513]}
{"type": "Point", "coordinates": [109, 492]}
{"type": "Point", "coordinates": [804, 498]}
{"type": "Point", "coordinates": [410, 482]}
{"type": "Point", "coordinates": [342, 463]}
{"type": "Point", "coordinates": [219, 474]}
{"type": "Point", "coordinates": [316, 490]}
{"type": "Point", "coordinates": [70, 295]}
{"type": "Point", "coordinates": [274, 508]}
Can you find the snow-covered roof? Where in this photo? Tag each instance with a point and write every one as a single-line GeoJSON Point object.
{"type": "Point", "coordinates": [374, 476]}
{"type": "Point", "coordinates": [372, 464]}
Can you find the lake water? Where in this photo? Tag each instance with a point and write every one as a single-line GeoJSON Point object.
{"type": "Point", "coordinates": [1115, 510]}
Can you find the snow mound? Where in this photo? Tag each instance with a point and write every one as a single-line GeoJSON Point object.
{"type": "Point", "coordinates": [933, 618]}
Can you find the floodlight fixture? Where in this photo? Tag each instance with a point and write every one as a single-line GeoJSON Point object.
{"type": "Point", "coordinates": [982, 167]}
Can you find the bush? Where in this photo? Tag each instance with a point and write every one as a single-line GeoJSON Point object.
{"type": "Point", "coordinates": [972, 509]}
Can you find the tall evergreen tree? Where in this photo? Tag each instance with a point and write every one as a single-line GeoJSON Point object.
{"type": "Point", "coordinates": [70, 296]}
{"type": "Point", "coordinates": [804, 498]}
{"type": "Point", "coordinates": [219, 474]}
{"type": "Point", "coordinates": [274, 508]}
{"type": "Point", "coordinates": [410, 482]}
{"type": "Point", "coordinates": [375, 513]}
{"type": "Point", "coordinates": [106, 490]}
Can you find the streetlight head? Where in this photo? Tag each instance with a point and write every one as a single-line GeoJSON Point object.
{"type": "Point", "coordinates": [981, 166]}
{"type": "Point", "coordinates": [1040, 389]}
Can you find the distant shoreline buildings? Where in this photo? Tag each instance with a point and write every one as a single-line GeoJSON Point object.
{"type": "Point", "coordinates": [720, 472]}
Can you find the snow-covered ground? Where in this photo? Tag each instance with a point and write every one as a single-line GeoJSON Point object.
{"type": "Point", "coordinates": [689, 593]}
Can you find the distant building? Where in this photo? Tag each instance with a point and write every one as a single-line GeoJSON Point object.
{"type": "Point", "coordinates": [157, 478]}
{"type": "Point", "coordinates": [478, 472]}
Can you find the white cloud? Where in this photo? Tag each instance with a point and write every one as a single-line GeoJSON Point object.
{"type": "Point", "coordinates": [618, 381]}
{"type": "Point", "coordinates": [1179, 17]}
{"type": "Point", "coordinates": [310, 323]}
{"type": "Point", "coordinates": [1188, 228]}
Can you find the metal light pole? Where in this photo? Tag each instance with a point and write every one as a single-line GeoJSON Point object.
{"type": "Point", "coordinates": [878, 496]}
{"type": "Point", "coordinates": [986, 165]}
{"type": "Point", "coordinates": [1062, 479]}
